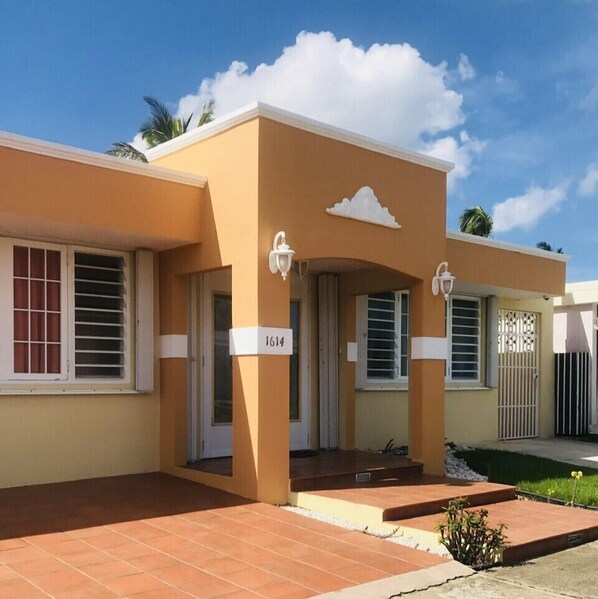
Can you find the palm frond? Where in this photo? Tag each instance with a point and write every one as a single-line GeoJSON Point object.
{"type": "Point", "coordinates": [161, 126]}
{"type": "Point", "coordinates": [121, 149]}
{"type": "Point", "coordinates": [207, 114]}
{"type": "Point", "coordinates": [476, 221]}
{"type": "Point", "coordinates": [544, 245]}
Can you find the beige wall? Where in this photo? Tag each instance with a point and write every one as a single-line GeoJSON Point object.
{"type": "Point", "coordinates": [53, 438]}
{"type": "Point", "coordinates": [384, 415]}
{"type": "Point", "coordinates": [379, 417]}
{"type": "Point", "coordinates": [471, 415]}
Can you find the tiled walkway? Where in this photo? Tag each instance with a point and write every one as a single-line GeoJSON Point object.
{"type": "Point", "coordinates": [154, 536]}
{"type": "Point", "coordinates": [532, 528]}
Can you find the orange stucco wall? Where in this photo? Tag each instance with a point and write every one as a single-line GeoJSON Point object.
{"type": "Point", "coordinates": [70, 199]}
{"type": "Point", "coordinates": [476, 263]}
{"type": "Point", "coordinates": [264, 176]}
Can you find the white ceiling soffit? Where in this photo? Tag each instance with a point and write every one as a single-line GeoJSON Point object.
{"type": "Point", "coordinates": [366, 207]}
{"type": "Point", "coordinates": [285, 117]}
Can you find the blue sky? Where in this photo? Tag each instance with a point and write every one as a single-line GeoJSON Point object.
{"type": "Point", "coordinates": [507, 89]}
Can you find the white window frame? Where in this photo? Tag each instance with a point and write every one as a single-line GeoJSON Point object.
{"type": "Point", "coordinates": [126, 378]}
{"type": "Point", "coordinates": [67, 314]}
{"type": "Point", "coordinates": [449, 334]}
{"type": "Point", "coordinates": [7, 372]}
{"type": "Point", "coordinates": [399, 379]}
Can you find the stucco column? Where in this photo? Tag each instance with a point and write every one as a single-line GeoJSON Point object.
{"type": "Point", "coordinates": [173, 366]}
{"type": "Point", "coordinates": [426, 378]}
{"type": "Point", "coordinates": [260, 388]}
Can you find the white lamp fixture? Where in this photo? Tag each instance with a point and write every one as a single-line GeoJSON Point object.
{"type": "Point", "coordinates": [443, 281]}
{"type": "Point", "coordinates": [281, 255]}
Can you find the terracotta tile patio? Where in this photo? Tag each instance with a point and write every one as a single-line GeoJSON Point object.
{"type": "Point", "coordinates": [533, 529]}
{"type": "Point", "coordinates": [155, 536]}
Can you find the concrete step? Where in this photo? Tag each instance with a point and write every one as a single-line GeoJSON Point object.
{"type": "Point", "coordinates": [533, 528]}
{"type": "Point", "coordinates": [357, 478]}
{"type": "Point", "coordinates": [376, 503]}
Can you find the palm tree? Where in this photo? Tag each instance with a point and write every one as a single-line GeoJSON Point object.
{"type": "Point", "coordinates": [544, 245]}
{"type": "Point", "coordinates": [125, 150]}
{"type": "Point", "coordinates": [161, 126]}
{"type": "Point", "coordinates": [475, 221]}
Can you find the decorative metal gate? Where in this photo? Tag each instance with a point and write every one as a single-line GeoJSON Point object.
{"type": "Point", "coordinates": [518, 368]}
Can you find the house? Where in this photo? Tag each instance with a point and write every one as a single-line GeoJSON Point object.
{"type": "Point", "coordinates": [575, 324]}
{"type": "Point", "coordinates": [140, 312]}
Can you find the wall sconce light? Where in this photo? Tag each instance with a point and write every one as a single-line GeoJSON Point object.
{"type": "Point", "coordinates": [281, 255]}
{"type": "Point", "coordinates": [443, 281]}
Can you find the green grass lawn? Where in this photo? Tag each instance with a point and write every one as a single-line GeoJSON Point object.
{"type": "Point", "coordinates": [533, 474]}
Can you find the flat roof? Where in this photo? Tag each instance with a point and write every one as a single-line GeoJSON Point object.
{"type": "Point", "coordinates": [505, 245]}
{"type": "Point", "coordinates": [54, 150]}
{"type": "Point", "coordinates": [259, 109]}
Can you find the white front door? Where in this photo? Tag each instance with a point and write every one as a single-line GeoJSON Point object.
{"type": "Point", "coordinates": [215, 366]}
{"type": "Point", "coordinates": [299, 369]}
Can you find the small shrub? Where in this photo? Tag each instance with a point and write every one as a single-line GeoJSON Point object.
{"type": "Point", "coordinates": [468, 537]}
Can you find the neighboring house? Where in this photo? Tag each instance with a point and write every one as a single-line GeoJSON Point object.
{"type": "Point", "coordinates": [575, 340]}
{"type": "Point", "coordinates": [127, 287]}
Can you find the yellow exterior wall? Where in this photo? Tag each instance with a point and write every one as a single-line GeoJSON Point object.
{"type": "Point", "coordinates": [471, 415]}
{"type": "Point", "coordinates": [384, 415]}
{"type": "Point", "coordinates": [379, 417]}
{"type": "Point", "coordinates": [53, 438]}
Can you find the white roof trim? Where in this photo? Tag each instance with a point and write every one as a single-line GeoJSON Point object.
{"type": "Point", "coordinates": [504, 245]}
{"type": "Point", "coordinates": [53, 150]}
{"type": "Point", "coordinates": [258, 109]}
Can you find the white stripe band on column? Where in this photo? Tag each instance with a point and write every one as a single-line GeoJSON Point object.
{"type": "Point", "coordinates": [429, 348]}
{"type": "Point", "coordinates": [173, 346]}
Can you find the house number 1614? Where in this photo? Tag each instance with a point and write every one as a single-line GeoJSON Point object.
{"type": "Point", "coordinates": [274, 341]}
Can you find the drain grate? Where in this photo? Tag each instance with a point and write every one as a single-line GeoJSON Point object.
{"type": "Point", "coordinates": [574, 539]}
{"type": "Point", "coordinates": [363, 477]}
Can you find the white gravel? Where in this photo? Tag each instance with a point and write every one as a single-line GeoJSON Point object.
{"type": "Point", "coordinates": [456, 468]}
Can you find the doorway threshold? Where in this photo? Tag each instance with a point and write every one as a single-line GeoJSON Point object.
{"type": "Point", "coordinates": [221, 466]}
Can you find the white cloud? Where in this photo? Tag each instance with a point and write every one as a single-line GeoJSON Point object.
{"type": "Point", "coordinates": [365, 206]}
{"type": "Point", "coordinates": [460, 152]}
{"type": "Point", "coordinates": [388, 91]}
{"type": "Point", "coordinates": [590, 100]}
{"type": "Point", "coordinates": [589, 184]}
{"type": "Point", "coordinates": [525, 211]}
{"type": "Point", "coordinates": [465, 68]}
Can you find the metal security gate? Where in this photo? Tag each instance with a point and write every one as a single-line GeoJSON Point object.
{"type": "Point", "coordinates": [518, 369]}
{"type": "Point", "coordinates": [572, 393]}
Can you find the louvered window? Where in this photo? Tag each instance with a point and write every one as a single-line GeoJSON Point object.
{"type": "Point", "coordinates": [100, 315]}
{"type": "Point", "coordinates": [463, 330]}
{"type": "Point", "coordinates": [387, 336]}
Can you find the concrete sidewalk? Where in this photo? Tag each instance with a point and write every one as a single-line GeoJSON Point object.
{"type": "Point", "coordinates": [579, 453]}
{"type": "Point", "coordinates": [571, 573]}
{"type": "Point", "coordinates": [568, 574]}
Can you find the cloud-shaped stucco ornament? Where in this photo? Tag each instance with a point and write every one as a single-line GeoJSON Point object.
{"type": "Point", "coordinates": [364, 206]}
